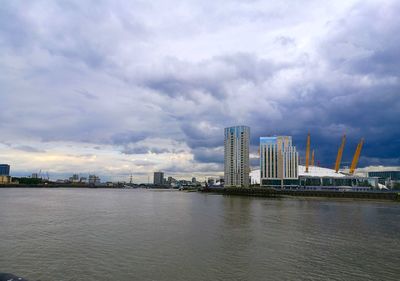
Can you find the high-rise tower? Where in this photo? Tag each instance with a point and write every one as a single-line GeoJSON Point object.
{"type": "Point", "coordinates": [279, 161]}
{"type": "Point", "coordinates": [236, 156]}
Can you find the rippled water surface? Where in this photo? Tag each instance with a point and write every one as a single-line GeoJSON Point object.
{"type": "Point", "coordinates": [101, 234]}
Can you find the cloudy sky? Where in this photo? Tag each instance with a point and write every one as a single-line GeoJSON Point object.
{"type": "Point", "coordinates": [121, 87]}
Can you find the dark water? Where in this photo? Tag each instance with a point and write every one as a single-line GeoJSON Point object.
{"type": "Point", "coordinates": [87, 234]}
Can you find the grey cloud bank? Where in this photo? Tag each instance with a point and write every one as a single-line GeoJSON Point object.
{"type": "Point", "coordinates": [157, 82]}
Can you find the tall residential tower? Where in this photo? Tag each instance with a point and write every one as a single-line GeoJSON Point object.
{"type": "Point", "coordinates": [158, 178]}
{"type": "Point", "coordinates": [236, 156]}
{"type": "Point", "coordinates": [279, 161]}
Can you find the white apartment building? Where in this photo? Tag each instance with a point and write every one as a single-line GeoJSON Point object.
{"type": "Point", "coordinates": [236, 156]}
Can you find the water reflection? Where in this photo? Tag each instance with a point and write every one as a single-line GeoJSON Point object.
{"type": "Point", "coordinates": [69, 234]}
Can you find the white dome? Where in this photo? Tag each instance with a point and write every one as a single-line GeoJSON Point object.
{"type": "Point", "coordinates": [313, 171]}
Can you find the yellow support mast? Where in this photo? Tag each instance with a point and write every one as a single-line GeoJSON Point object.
{"type": "Point", "coordinates": [356, 156]}
{"type": "Point", "coordinates": [308, 152]}
{"type": "Point", "coordinates": [312, 158]}
{"type": "Point", "coordinates": [340, 154]}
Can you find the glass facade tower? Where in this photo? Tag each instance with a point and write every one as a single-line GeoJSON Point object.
{"type": "Point", "coordinates": [4, 170]}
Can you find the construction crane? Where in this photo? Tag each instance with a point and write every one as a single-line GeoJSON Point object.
{"type": "Point", "coordinates": [340, 154]}
{"type": "Point", "coordinates": [312, 158]}
{"type": "Point", "coordinates": [307, 152]}
{"type": "Point", "coordinates": [356, 156]}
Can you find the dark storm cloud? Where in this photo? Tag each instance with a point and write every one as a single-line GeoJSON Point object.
{"type": "Point", "coordinates": [130, 75]}
{"type": "Point", "coordinates": [210, 76]}
{"type": "Point", "coordinates": [144, 150]}
{"type": "Point", "coordinates": [128, 137]}
{"type": "Point", "coordinates": [364, 42]}
{"type": "Point", "coordinates": [209, 155]}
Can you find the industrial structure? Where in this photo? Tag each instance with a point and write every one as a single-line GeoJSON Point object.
{"type": "Point", "coordinates": [340, 154]}
{"type": "Point", "coordinates": [356, 157]}
{"type": "Point", "coordinates": [236, 156]}
{"type": "Point", "coordinates": [308, 152]}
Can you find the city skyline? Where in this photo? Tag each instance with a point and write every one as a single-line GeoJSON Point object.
{"type": "Point", "coordinates": [120, 88]}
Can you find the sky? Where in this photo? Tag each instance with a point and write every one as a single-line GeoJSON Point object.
{"type": "Point", "coordinates": [132, 87]}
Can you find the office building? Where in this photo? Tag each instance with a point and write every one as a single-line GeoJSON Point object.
{"type": "Point", "coordinates": [158, 178]}
{"type": "Point", "coordinates": [236, 156]}
{"type": "Point", "coordinates": [388, 176]}
{"type": "Point", "coordinates": [5, 179]}
{"type": "Point", "coordinates": [4, 170]}
{"type": "Point", "coordinates": [94, 180]}
{"type": "Point", "coordinates": [279, 161]}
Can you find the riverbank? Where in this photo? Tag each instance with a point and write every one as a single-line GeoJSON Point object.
{"type": "Point", "coordinates": [273, 193]}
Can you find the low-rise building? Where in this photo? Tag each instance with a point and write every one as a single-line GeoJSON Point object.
{"type": "Point", "coordinates": [5, 179]}
{"type": "Point", "coordinates": [387, 175]}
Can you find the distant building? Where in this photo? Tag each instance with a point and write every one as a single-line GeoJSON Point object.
{"type": "Point", "coordinates": [74, 178]}
{"type": "Point", "coordinates": [388, 177]}
{"type": "Point", "coordinates": [158, 178]}
{"type": "Point", "coordinates": [94, 180]}
{"type": "Point", "coordinates": [171, 181]}
{"type": "Point", "coordinates": [236, 156]}
{"type": "Point", "coordinates": [279, 161]}
{"type": "Point", "coordinates": [5, 179]}
{"type": "Point", "coordinates": [61, 181]}
{"type": "Point", "coordinates": [4, 170]}
{"type": "Point", "coordinates": [194, 180]}
{"type": "Point", "coordinates": [83, 180]}
{"type": "Point", "coordinates": [34, 176]}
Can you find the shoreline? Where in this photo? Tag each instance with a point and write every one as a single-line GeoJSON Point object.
{"type": "Point", "coordinates": [273, 193]}
{"type": "Point", "coordinates": [252, 192]}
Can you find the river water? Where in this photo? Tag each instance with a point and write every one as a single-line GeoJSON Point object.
{"type": "Point", "coordinates": [104, 234]}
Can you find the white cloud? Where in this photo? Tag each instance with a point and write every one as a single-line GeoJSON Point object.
{"type": "Point", "coordinates": [161, 80]}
